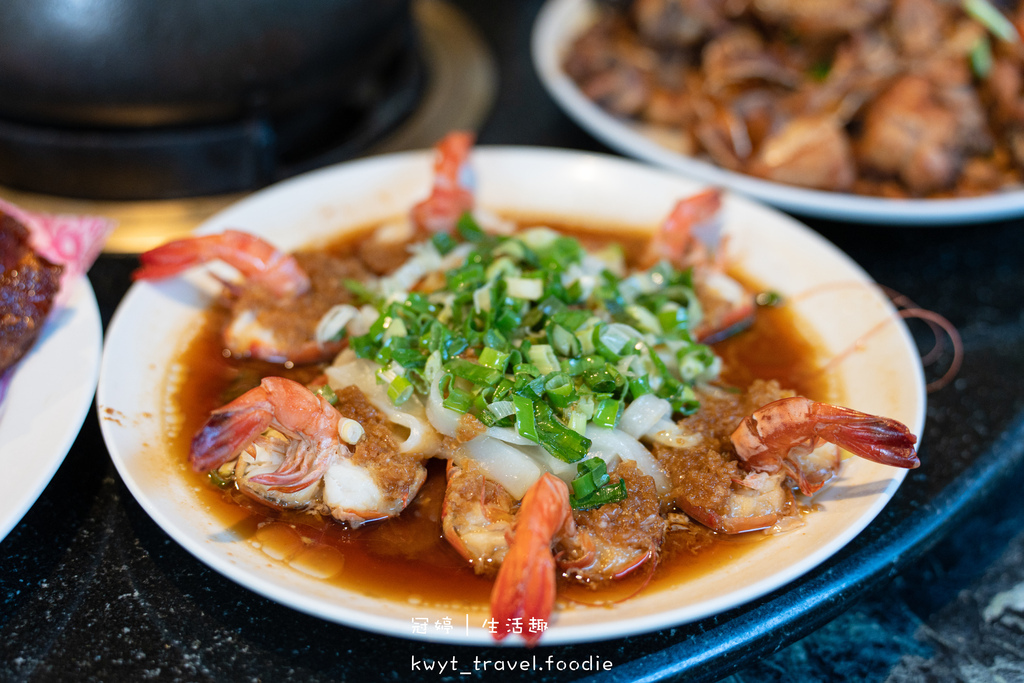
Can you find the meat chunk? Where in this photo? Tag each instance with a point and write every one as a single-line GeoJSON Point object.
{"type": "Point", "coordinates": [397, 475]}
{"type": "Point", "coordinates": [616, 538]}
{"type": "Point", "coordinates": [28, 285]}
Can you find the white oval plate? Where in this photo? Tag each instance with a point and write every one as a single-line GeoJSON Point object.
{"type": "Point", "coordinates": [560, 21]}
{"type": "Point", "coordinates": [46, 403]}
{"type": "Point", "coordinates": [154, 321]}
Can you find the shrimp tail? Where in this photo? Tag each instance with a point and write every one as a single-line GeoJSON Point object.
{"type": "Point", "coordinates": [525, 587]}
{"type": "Point", "coordinates": [452, 193]}
{"type": "Point", "coordinates": [531, 595]}
{"type": "Point", "coordinates": [253, 257]}
{"type": "Point", "coordinates": [782, 429]}
{"type": "Point", "coordinates": [303, 468]}
{"type": "Point", "coordinates": [675, 238]}
{"type": "Point", "coordinates": [879, 439]}
{"type": "Point", "coordinates": [227, 432]}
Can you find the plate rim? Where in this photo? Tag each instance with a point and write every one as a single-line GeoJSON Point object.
{"type": "Point", "coordinates": [551, 30]}
{"type": "Point", "coordinates": [83, 309]}
{"type": "Point", "coordinates": [389, 625]}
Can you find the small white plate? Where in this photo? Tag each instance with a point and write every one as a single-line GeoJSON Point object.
{"type": "Point", "coordinates": [155, 321]}
{"type": "Point", "coordinates": [46, 403]}
{"type": "Point", "coordinates": [558, 24]}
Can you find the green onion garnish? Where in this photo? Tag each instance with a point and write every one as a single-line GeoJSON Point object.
{"type": "Point", "coordinates": [526, 423]}
{"type": "Point", "coordinates": [400, 390]}
{"type": "Point", "coordinates": [981, 57]}
{"type": "Point", "coordinates": [443, 242]}
{"type": "Point", "coordinates": [608, 413]}
{"type": "Point", "coordinates": [458, 400]}
{"type": "Point", "coordinates": [496, 360]}
{"type": "Point", "coordinates": [328, 393]}
{"type": "Point", "coordinates": [991, 18]}
{"type": "Point", "coordinates": [523, 337]}
{"type": "Point", "coordinates": [220, 480]}
{"type": "Point", "coordinates": [591, 488]}
{"type": "Point", "coordinates": [477, 374]}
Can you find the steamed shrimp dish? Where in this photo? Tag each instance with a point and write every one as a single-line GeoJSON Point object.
{"type": "Point", "coordinates": [568, 388]}
{"type": "Point", "coordinates": [892, 98]}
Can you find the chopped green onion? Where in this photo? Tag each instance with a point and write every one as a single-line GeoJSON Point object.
{"type": "Point", "coordinates": [394, 327]}
{"type": "Point", "coordinates": [538, 238]}
{"type": "Point", "coordinates": [571, 319]}
{"type": "Point", "coordinates": [494, 359]}
{"type": "Point", "coordinates": [985, 13]}
{"type": "Point", "coordinates": [501, 409]}
{"type": "Point", "coordinates": [591, 488]}
{"type": "Point", "coordinates": [470, 229]}
{"type": "Point", "coordinates": [609, 494]}
{"type": "Point", "coordinates": [400, 390]}
{"type": "Point", "coordinates": [694, 360]}
{"type": "Point", "coordinates": [981, 58]}
{"type": "Point", "coordinates": [768, 298]}
{"type": "Point", "coordinates": [526, 370]}
{"type": "Point", "coordinates": [560, 390]}
{"type": "Point", "coordinates": [328, 393]}
{"type": "Point", "coordinates": [443, 242]}
{"type": "Point", "coordinates": [471, 277]}
{"type": "Point", "coordinates": [646, 320]}
{"type": "Point", "coordinates": [584, 486]}
{"type": "Point", "coordinates": [537, 355]}
{"type": "Point", "coordinates": [530, 289]}
{"type": "Point", "coordinates": [557, 439]}
{"type": "Point", "coordinates": [361, 292]}
{"type": "Point", "coordinates": [564, 443]}
{"type": "Point", "coordinates": [638, 386]}
{"type": "Point", "coordinates": [607, 413]}
{"type": "Point", "coordinates": [500, 268]}
{"type": "Point", "coordinates": [577, 420]}
{"type": "Point", "coordinates": [477, 374]}
{"type": "Point", "coordinates": [482, 299]}
{"type": "Point", "coordinates": [526, 423]}
{"type": "Point", "coordinates": [222, 479]}
{"type": "Point", "coordinates": [674, 318]}
{"type": "Point", "coordinates": [604, 379]}
{"type": "Point", "coordinates": [563, 341]}
{"type": "Point", "coordinates": [543, 356]}
{"type": "Point", "coordinates": [592, 474]}
{"type": "Point", "coordinates": [458, 400]}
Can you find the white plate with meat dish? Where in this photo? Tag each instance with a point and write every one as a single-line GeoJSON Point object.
{"type": "Point", "coordinates": [560, 22]}
{"type": "Point", "coordinates": [48, 397]}
{"type": "Point", "coordinates": [144, 368]}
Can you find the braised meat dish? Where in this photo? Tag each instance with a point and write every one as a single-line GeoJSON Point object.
{"type": "Point", "coordinates": [890, 98]}
{"type": "Point", "coordinates": [28, 285]}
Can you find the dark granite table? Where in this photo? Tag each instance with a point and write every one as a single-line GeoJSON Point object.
{"type": "Point", "coordinates": [92, 589]}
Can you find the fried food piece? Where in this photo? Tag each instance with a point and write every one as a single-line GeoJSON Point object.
{"type": "Point", "coordinates": [28, 285]}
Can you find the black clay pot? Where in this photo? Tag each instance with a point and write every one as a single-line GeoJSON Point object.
{"type": "Point", "coordinates": [153, 62]}
{"type": "Point", "coordinates": [115, 98]}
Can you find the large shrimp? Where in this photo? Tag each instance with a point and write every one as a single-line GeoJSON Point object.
{"type": "Point", "coordinates": [476, 516]}
{"type": "Point", "coordinates": [452, 193]}
{"type": "Point", "coordinates": [276, 309]}
{"type": "Point", "coordinates": [736, 479]}
{"type": "Point", "coordinates": [525, 587]}
{"type": "Point", "coordinates": [786, 434]}
{"type": "Point", "coordinates": [481, 522]}
{"type": "Point", "coordinates": [726, 304]}
{"type": "Point", "coordinates": [313, 465]}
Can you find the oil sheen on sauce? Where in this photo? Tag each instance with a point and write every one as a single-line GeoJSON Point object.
{"type": "Point", "coordinates": [407, 559]}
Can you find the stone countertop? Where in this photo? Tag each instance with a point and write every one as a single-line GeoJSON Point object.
{"type": "Point", "coordinates": [92, 589]}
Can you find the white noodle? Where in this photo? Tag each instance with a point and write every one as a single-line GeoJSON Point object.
{"type": "Point", "coordinates": [642, 414]}
{"type": "Point", "coordinates": [606, 442]}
